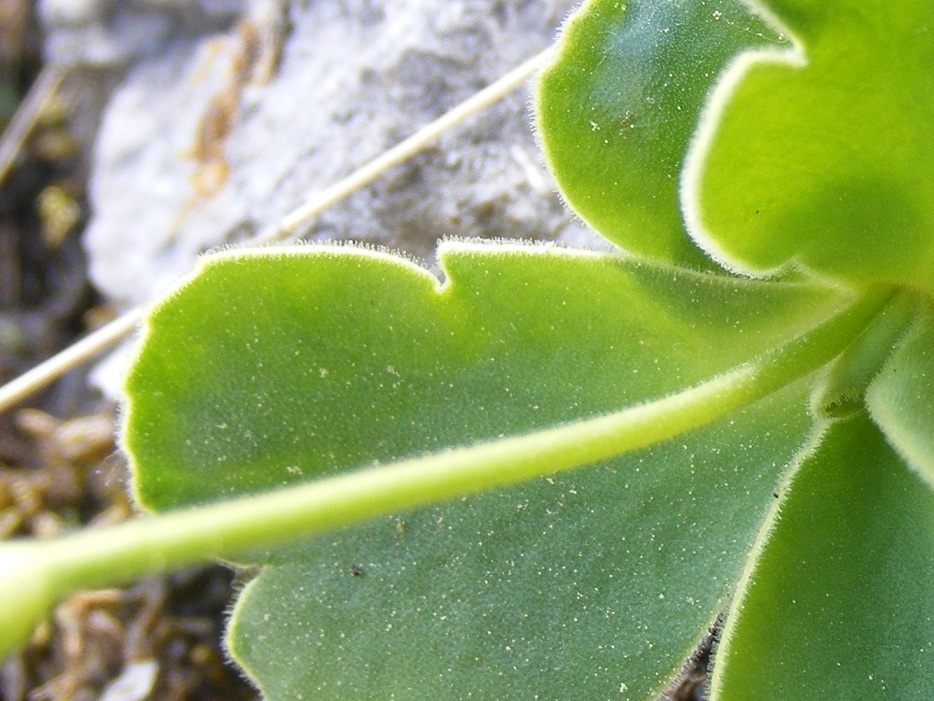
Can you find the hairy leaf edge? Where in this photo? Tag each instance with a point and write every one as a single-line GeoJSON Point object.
{"type": "Point", "coordinates": [900, 440]}
{"type": "Point", "coordinates": [706, 132]}
{"type": "Point", "coordinates": [734, 609]}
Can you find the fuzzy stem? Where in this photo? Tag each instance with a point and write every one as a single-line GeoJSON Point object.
{"type": "Point", "coordinates": [35, 575]}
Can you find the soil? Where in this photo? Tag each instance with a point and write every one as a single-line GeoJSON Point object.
{"type": "Point", "coordinates": [59, 468]}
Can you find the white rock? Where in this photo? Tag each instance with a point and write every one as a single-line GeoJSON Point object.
{"type": "Point", "coordinates": [134, 683]}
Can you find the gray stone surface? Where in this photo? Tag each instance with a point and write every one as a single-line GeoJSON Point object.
{"type": "Point", "coordinates": [225, 115]}
{"type": "Point", "coordinates": [107, 33]}
{"type": "Point", "coordinates": [212, 137]}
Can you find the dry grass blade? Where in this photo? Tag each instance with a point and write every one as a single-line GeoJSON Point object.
{"type": "Point", "coordinates": [42, 90]}
{"type": "Point", "coordinates": [106, 336]}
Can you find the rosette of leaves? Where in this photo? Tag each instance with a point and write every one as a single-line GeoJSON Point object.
{"type": "Point", "coordinates": [747, 387]}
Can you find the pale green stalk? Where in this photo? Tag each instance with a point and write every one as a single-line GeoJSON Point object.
{"type": "Point", "coordinates": [34, 575]}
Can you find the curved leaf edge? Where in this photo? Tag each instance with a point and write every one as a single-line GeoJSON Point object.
{"type": "Point", "coordinates": [204, 264]}
{"type": "Point", "coordinates": [573, 29]}
{"type": "Point", "coordinates": [706, 133]}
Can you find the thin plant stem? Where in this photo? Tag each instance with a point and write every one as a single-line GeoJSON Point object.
{"type": "Point", "coordinates": [77, 353]}
{"type": "Point", "coordinates": [98, 341]}
{"type": "Point", "coordinates": [403, 151]}
{"type": "Point", "coordinates": [230, 529]}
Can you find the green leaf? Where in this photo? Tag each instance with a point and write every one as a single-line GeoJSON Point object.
{"type": "Point", "coordinates": [901, 398]}
{"type": "Point", "coordinates": [286, 365]}
{"type": "Point", "coordinates": [841, 601]}
{"type": "Point", "coordinates": [593, 584]}
{"type": "Point", "coordinates": [821, 157]}
{"type": "Point", "coordinates": [617, 110]}
{"type": "Point", "coordinates": [275, 368]}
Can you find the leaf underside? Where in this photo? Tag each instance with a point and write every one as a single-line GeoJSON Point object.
{"type": "Point", "coordinates": [599, 580]}
{"type": "Point", "coordinates": [577, 586]}
{"type": "Point", "coordinates": [273, 368]}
